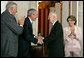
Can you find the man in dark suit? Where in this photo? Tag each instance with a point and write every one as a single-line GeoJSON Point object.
{"type": "Point", "coordinates": [10, 31]}
{"type": "Point", "coordinates": [55, 40]}
{"type": "Point", "coordinates": [28, 36]}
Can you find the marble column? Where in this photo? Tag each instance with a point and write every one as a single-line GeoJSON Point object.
{"type": "Point", "coordinates": [65, 13]}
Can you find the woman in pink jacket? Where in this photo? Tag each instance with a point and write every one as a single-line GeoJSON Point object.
{"type": "Point", "coordinates": [72, 37]}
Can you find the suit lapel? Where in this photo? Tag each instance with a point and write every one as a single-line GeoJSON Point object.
{"type": "Point", "coordinates": [30, 25]}
{"type": "Point", "coordinates": [11, 16]}
{"type": "Point", "coordinates": [55, 25]}
{"type": "Point", "coordinates": [15, 19]}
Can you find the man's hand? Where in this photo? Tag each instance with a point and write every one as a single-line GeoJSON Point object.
{"type": "Point", "coordinates": [72, 34]}
{"type": "Point", "coordinates": [21, 21]}
{"type": "Point", "coordinates": [69, 35]}
{"type": "Point", "coordinates": [40, 39]}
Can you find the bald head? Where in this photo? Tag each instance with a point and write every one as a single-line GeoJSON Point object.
{"type": "Point", "coordinates": [52, 17]}
{"type": "Point", "coordinates": [53, 14]}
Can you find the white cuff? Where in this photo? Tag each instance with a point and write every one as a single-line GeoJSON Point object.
{"type": "Point", "coordinates": [34, 36]}
{"type": "Point", "coordinates": [43, 38]}
{"type": "Point", "coordinates": [21, 25]}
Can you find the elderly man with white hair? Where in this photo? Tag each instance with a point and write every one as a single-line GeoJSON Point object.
{"type": "Point", "coordinates": [55, 40]}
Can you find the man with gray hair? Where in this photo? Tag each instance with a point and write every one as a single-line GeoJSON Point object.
{"type": "Point", "coordinates": [55, 40]}
{"type": "Point", "coordinates": [28, 36]}
{"type": "Point", "coordinates": [10, 31]}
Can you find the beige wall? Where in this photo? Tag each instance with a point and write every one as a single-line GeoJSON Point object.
{"type": "Point", "coordinates": [3, 5]}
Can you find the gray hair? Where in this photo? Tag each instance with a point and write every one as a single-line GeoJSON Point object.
{"type": "Point", "coordinates": [30, 11]}
{"type": "Point", "coordinates": [10, 4]}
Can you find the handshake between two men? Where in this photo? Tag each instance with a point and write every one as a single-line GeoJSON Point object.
{"type": "Point", "coordinates": [40, 39]}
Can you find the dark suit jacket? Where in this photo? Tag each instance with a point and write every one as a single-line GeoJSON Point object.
{"type": "Point", "coordinates": [10, 31]}
{"type": "Point", "coordinates": [28, 37]}
{"type": "Point", "coordinates": [55, 41]}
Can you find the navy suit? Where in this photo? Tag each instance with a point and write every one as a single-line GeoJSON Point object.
{"type": "Point", "coordinates": [26, 39]}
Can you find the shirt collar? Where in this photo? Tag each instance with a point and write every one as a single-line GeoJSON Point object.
{"type": "Point", "coordinates": [54, 22]}
{"type": "Point", "coordinates": [30, 20]}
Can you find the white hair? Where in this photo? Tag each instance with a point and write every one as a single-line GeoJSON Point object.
{"type": "Point", "coordinates": [10, 4]}
{"type": "Point", "coordinates": [53, 13]}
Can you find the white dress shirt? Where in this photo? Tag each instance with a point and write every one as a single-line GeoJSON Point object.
{"type": "Point", "coordinates": [30, 20]}
{"type": "Point", "coordinates": [54, 22]}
